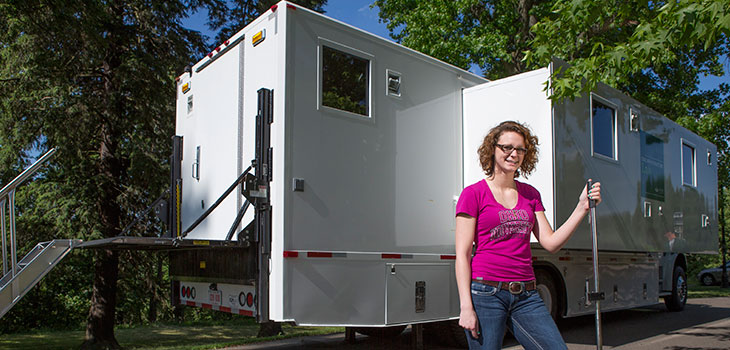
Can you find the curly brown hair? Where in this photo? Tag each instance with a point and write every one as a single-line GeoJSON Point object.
{"type": "Point", "coordinates": [486, 150]}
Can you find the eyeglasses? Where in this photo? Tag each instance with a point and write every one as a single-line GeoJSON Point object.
{"type": "Point", "coordinates": [509, 148]}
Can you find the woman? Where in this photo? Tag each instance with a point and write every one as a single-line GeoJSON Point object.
{"type": "Point", "coordinates": [497, 285]}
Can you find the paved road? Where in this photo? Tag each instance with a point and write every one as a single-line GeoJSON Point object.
{"type": "Point", "coordinates": [703, 325]}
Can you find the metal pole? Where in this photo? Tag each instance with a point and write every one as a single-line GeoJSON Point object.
{"type": "Point", "coordinates": [723, 279]}
{"type": "Point", "coordinates": [26, 173]}
{"type": "Point", "coordinates": [596, 285]}
{"type": "Point", "coordinates": [5, 247]}
{"type": "Point", "coordinates": [11, 214]}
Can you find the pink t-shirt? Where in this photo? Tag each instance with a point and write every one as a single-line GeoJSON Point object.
{"type": "Point", "coordinates": [502, 235]}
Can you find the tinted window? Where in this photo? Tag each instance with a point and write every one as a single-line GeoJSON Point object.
{"type": "Point", "coordinates": [688, 164]}
{"type": "Point", "coordinates": [345, 81]}
{"type": "Point", "coordinates": [604, 120]}
{"type": "Point", "coordinates": [652, 166]}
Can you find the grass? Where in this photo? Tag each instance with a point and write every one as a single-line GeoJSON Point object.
{"type": "Point", "coordinates": [209, 335]}
{"type": "Point", "coordinates": [696, 290]}
{"type": "Point", "coordinates": [162, 336]}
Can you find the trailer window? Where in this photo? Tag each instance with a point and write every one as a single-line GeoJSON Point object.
{"type": "Point", "coordinates": [603, 124]}
{"type": "Point", "coordinates": [652, 166]}
{"type": "Point", "coordinates": [345, 81]}
{"type": "Point", "coordinates": [688, 164]}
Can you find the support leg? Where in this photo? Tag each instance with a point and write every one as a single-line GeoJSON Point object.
{"type": "Point", "coordinates": [350, 335]}
{"type": "Point", "coordinates": [417, 334]}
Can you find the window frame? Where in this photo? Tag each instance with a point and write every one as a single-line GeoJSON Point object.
{"type": "Point", "coordinates": [321, 43]}
{"type": "Point", "coordinates": [685, 142]}
{"type": "Point", "coordinates": [605, 102]}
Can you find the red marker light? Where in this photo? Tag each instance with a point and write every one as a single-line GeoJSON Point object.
{"type": "Point", "coordinates": [274, 7]}
{"type": "Point", "coordinates": [290, 254]}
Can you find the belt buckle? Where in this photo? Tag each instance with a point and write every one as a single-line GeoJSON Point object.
{"type": "Point", "coordinates": [513, 291]}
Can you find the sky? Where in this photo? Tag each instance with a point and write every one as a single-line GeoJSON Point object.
{"type": "Point", "coordinates": [358, 13]}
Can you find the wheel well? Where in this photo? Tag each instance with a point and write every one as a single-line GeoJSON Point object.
{"type": "Point", "coordinates": [559, 281]}
{"type": "Point", "coordinates": [681, 261]}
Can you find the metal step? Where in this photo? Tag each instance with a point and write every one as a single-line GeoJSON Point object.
{"type": "Point", "coordinates": [29, 271]}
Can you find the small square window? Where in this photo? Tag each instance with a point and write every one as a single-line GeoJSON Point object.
{"type": "Point", "coordinates": [634, 120]}
{"type": "Point", "coordinates": [345, 81]}
{"type": "Point", "coordinates": [709, 157]}
{"type": "Point", "coordinates": [603, 125]}
{"type": "Point", "coordinates": [393, 83]}
{"type": "Point", "coordinates": [688, 165]}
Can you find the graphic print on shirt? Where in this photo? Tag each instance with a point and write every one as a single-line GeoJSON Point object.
{"type": "Point", "coordinates": [514, 223]}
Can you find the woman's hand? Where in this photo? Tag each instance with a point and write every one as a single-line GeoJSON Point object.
{"type": "Point", "coordinates": [593, 193]}
{"type": "Point", "coordinates": [468, 320]}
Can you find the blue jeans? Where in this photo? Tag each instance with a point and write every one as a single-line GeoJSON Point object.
{"type": "Point", "coordinates": [525, 314]}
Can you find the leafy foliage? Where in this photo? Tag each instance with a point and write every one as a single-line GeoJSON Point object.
{"type": "Point", "coordinates": [636, 43]}
{"type": "Point", "coordinates": [489, 34]}
{"type": "Point", "coordinates": [95, 79]}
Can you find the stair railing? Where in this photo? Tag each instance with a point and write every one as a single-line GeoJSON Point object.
{"type": "Point", "coordinates": [7, 194]}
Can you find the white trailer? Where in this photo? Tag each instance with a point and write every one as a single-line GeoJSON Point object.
{"type": "Point", "coordinates": [659, 182]}
{"type": "Point", "coordinates": [361, 148]}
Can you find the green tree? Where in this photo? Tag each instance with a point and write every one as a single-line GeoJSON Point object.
{"type": "Point", "coordinates": [489, 34]}
{"type": "Point", "coordinates": [95, 79]}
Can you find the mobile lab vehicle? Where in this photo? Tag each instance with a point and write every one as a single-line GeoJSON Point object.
{"type": "Point", "coordinates": [316, 168]}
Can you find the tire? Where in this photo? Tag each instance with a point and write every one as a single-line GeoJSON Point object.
{"type": "Point", "coordinates": [548, 291]}
{"type": "Point", "coordinates": [381, 332]}
{"type": "Point", "coordinates": [707, 279]}
{"type": "Point", "coordinates": [678, 299]}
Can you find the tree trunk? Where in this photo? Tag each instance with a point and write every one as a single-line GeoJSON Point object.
{"type": "Point", "coordinates": [100, 323]}
{"type": "Point", "coordinates": [152, 314]}
{"type": "Point", "coordinates": [111, 171]}
{"type": "Point", "coordinates": [269, 329]}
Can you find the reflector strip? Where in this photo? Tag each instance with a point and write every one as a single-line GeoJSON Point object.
{"type": "Point", "coordinates": [319, 255]}
{"type": "Point", "coordinates": [565, 258]}
{"type": "Point", "coordinates": [290, 6]}
{"type": "Point", "coordinates": [221, 308]}
{"type": "Point", "coordinates": [290, 254]}
{"type": "Point", "coordinates": [365, 256]}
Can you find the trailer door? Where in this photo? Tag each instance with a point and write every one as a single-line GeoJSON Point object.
{"type": "Point", "coordinates": [213, 144]}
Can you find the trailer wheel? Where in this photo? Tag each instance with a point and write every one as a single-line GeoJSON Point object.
{"type": "Point", "coordinates": [548, 291]}
{"type": "Point", "coordinates": [707, 279]}
{"type": "Point", "coordinates": [678, 299]}
{"type": "Point", "coordinates": [381, 332]}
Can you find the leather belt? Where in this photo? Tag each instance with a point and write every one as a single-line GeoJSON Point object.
{"type": "Point", "coordinates": [514, 287]}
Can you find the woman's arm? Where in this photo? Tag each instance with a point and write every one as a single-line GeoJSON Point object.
{"type": "Point", "coordinates": [465, 230]}
{"type": "Point", "coordinates": [551, 240]}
